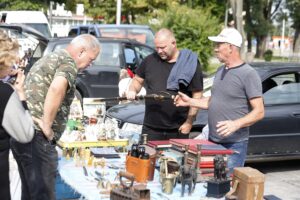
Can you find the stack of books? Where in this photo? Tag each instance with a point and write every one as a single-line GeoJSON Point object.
{"type": "Point", "coordinates": [208, 152]}
{"type": "Point", "coordinates": [159, 144]}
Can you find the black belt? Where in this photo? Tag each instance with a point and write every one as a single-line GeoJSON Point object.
{"type": "Point", "coordinates": [40, 133]}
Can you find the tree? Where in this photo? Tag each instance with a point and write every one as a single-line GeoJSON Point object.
{"type": "Point", "coordinates": [259, 16]}
{"type": "Point", "coordinates": [191, 28]}
{"type": "Point", "coordinates": [131, 9]}
{"type": "Point", "coordinates": [294, 14]}
{"type": "Point", "coordinates": [27, 4]}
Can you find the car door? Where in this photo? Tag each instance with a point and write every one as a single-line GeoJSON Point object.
{"type": "Point", "coordinates": [278, 133]}
{"type": "Point", "coordinates": [37, 41]}
{"type": "Point", "coordinates": [135, 54]}
{"type": "Point", "coordinates": [102, 77]}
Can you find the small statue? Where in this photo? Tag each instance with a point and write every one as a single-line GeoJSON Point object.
{"type": "Point", "coordinates": [219, 185]}
{"type": "Point", "coordinates": [219, 168]}
{"type": "Point", "coordinates": [187, 176]}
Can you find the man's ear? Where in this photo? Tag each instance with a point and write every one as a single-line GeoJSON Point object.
{"type": "Point", "coordinates": [82, 50]}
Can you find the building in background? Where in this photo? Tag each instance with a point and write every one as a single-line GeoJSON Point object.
{"type": "Point", "coordinates": [61, 20]}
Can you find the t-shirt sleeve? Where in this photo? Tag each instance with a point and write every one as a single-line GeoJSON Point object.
{"type": "Point", "coordinates": [67, 70]}
{"type": "Point", "coordinates": [253, 86]}
{"type": "Point", "coordinates": [141, 70]}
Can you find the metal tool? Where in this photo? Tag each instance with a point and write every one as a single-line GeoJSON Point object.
{"type": "Point", "coordinates": [86, 174]}
{"type": "Point", "coordinates": [159, 97]}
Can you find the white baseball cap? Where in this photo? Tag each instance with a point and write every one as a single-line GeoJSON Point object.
{"type": "Point", "coordinates": [228, 35]}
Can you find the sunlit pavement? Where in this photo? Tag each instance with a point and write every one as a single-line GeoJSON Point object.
{"type": "Point", "coordinates": [282, 179]}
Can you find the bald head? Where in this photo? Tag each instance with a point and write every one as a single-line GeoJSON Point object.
{"type": "Point", "coordinates": [165, 44]}
{"type": "Point", "coordinates": [84, 49]}
{"type": "Point", "coordinates": [164, 34]}
{"type": "Point", "coordinates": [86, 40]}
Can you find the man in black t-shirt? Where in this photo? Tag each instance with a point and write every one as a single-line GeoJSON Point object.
{"type": "Point", "coordinates": [163, 120]}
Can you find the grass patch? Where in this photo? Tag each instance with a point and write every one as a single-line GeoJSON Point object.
{"type": "Point", "coordinates": [280, 59]}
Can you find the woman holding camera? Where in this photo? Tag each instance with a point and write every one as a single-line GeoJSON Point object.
{"type": "Point", "coordinates": [15, 120]}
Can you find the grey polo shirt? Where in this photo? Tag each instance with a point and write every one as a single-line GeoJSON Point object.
{"type": "Point", "coordinates": [231, 91]}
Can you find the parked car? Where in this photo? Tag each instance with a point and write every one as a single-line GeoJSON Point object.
{"type": "Point", "coordinates": [141, 33]}
{"type": "Point", "coordinates": [276, 136]}
{"type": "Point", "coordinates": [102, 78]}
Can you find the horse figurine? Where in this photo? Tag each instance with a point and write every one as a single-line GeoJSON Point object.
{"type": "Point", "coordinates": [187, 176]}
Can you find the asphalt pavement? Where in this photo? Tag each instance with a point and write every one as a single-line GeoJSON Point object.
{"type": "Point", "coordinates": [282, 179]}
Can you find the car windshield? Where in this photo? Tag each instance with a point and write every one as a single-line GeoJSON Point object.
{"type": "Point", "coordinates": [109, 54]}
{"type": "Point", "coordinates": [42, 28]}
{"type": "Point", "coordinates": [144, 36]}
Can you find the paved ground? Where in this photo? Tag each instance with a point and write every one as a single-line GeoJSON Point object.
{"type": "Point", "coordinates": [282, 179]}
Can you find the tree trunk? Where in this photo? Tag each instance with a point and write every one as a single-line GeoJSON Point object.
{"type": "Point", "coordinates": [237, 8]}
{"type": "Point", "coordinates": [296, 43]}
{"type": "Point", "coordinates": [260, 46]}
{"type": "Point", "coordinates": [249, 41]}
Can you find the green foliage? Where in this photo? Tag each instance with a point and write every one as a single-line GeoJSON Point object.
{"type": "Point", "coordinates": [26, 4]}
{"type": "Point", "coordinates": [191, 28]}
{"type": "Point", "coordinates": [268, 54]}
{"type": "Point", "coordinates": [294, 6]}
{"type": "Point", "coordinates": [294, 14]}
{"type": "Point", "coordinates": [259, 16]}
{"type": "Point", "coordinates": [21, 5]}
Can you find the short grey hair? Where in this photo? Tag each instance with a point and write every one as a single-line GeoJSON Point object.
{"type": "Point", "coordinates": [86, 40]}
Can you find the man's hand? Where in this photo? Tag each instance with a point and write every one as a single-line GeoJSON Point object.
{"type": "Point", "coordinates": [185, 128]}
{"type": "Point", "coordinates": [48, 132]}
{"type": "Point", "coordinates": [130, 95]}
{"type": "Point", "coordinates": [182, 100]}
{"type": "Point", "coordinates": [226, 128]}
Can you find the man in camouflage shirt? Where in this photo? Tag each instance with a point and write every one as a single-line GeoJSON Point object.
{"type": "Point", "coordinates": [50, 88]}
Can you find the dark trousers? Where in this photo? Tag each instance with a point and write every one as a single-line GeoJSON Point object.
{"type": "Point", "coordinates": [162, 134]}
{"type": "Point", "coordinates": [23, 155]}
{"type": "Point", "coordinates": [4, 173]}
{"type": "Point", "coordinates": [39, 169]}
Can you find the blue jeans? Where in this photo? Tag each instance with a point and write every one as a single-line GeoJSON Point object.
{"type": "Point", "coordinates": [38, 163]}
{"type": "Point", "coordinates": [237, 159]}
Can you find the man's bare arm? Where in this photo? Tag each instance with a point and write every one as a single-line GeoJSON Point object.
{"type": "Point", "coordinates": [135, 87]}
{"type": "Point", "coordinates": [193, 110]}
{"type": "Point", "coordinates": [56, 94]}
{"type": "Point", "coordinates": [186, 127]}
{"type": "Point", "coordinates": [184, 100]}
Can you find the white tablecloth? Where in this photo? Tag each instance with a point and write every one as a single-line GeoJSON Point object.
{"type": "Point", "coordinates": [87, 187]}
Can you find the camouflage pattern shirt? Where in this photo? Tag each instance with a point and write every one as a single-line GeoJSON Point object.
{"type": "Point", "coordinates": [38, 81]}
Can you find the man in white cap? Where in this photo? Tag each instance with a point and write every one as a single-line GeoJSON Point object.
{"type": "Point", "coordinates": [236, 98]}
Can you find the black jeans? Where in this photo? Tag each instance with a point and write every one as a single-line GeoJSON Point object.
{"type": "Point", "coordinates": [23, 155]}
{"type": "Point", "coordinates": [162, 134]}
{"type": "Point", "coordinates": [40, 171]}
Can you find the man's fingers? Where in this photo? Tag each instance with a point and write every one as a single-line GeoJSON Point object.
{"type": "Point", "coordinates": [221, 129]}
{"type": "Point", "coordinates": [37, 120]}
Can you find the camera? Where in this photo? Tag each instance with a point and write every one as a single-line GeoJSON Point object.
{"type": "Point", "coordinates": [12, 79]}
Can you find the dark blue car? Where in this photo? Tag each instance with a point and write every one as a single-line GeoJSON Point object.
{"type": "Point", "coordinates": [276, 136]}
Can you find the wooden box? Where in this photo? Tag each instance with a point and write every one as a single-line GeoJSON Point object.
{"type": "Point", "coordinates": [247, 184]}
